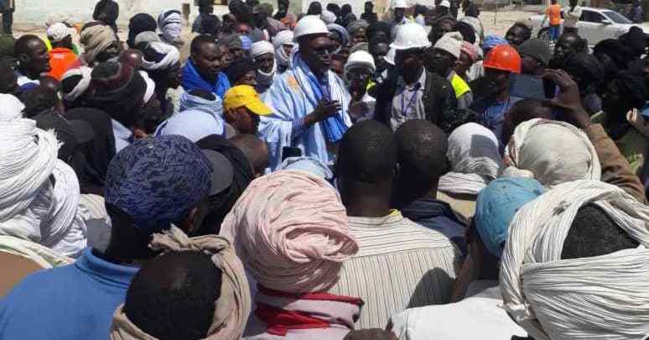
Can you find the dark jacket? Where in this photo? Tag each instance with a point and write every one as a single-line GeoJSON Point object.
{"type": "Point", "coordinates": [439, 98]}
{"type": "Point", "coordinates": [370, 18]}
{"type": "Point", "coordinates": [437, 215]}
{"type": "Point", "coordinates": [472, 10]}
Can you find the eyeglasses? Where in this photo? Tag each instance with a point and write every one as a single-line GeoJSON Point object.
{"type": "Point", "coordinates": [324, 50]}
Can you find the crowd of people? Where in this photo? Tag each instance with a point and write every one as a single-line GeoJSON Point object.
{"type": "Point", "coordinates": [321, 176]}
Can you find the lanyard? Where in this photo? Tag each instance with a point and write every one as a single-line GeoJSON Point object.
{"type": "Point", "coordinates": [404, 107]}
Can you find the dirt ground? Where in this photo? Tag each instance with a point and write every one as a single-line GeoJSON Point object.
{"type": "Point", "coordinates": [503, 20]}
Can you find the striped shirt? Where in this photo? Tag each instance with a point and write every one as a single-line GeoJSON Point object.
{"type": "Point", "coordinates": [400, 265]}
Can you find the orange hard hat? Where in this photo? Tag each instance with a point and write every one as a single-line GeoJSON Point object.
{"type": "Point", "coordinates": [504, 58]}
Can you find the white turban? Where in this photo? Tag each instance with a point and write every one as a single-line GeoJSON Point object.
{"type": "Point", "coordinates": [600, 297]}
{"type": "Point", "coordinates": [32, 206]}
{"type": "Point", "coordinates": [475, 160]}
{"type": "Point", "coordinates": [10, 108]}
{"type": "Point", "coordinates": [328, 17]}
{"type": "Point", "coordinates": [282, 38]}
{"type": "Point", "coordinates": [82, 85]}
{"type": "Point", "coordinates": [551, 152]}
{"type": "Point", "coordinates": [150, 86]}
{"type": "Point", "coordinates": [170, 25]}
{"type": "Point", "coordinates": [261, 48]}
{"type": "Point", "coordinates": [167, 56]}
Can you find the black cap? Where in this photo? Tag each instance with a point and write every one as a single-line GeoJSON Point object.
{"type": "Point", "coordinates": [222, 172]}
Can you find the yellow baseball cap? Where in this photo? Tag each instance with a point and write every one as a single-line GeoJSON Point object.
{"type": "Point", "coordinates": [245, 95]}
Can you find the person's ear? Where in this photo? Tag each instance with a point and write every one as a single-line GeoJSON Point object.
{"type": "Point", "coordinates": [139, 133]}
{"type": "Point", "coordinates": [230, 115]}
{"type": "Point", "coordinates": [23, 58]}
{"type": "Point", "coordinates": [188, 225]}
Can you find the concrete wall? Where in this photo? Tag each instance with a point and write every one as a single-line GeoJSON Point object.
{"type": "Point", "coordinates": [36, 11]}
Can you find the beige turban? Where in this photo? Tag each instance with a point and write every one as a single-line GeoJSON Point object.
{"type": "Point", "coordinates": [96, 39]}
{"type": "Point", "coordinates": [551, 152]}
{"type": "Point", "coordinates": [233, 305]}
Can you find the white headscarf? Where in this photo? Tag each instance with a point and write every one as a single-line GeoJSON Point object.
{"type": "Point", "coordinates": [170, 24]}
{"type": "Point", "coordinates": [282, 38]}
{"type": "Point", "coordinates": [32, 206]}
{"type": "Point", "coordinates": [261, 48]}
{"type": "Point", "coordinates": [600, 297]}
{"type": "Point", "coordinates": [552, 152]}
{"type": "Point", "coordinates": [475, 160]}
{"type": "Point", "coordinates": [82, 85]}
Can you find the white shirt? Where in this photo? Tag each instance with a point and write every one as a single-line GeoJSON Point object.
{"type": "Point", "coordinates": [476, 317]}
{"type": "Point", "coordinates": [407, 102]}
{"type": "Point", "coordinates": [570, 19]}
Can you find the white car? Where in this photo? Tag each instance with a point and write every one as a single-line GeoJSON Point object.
{"type": "Point", "coordinates": [595, 25]}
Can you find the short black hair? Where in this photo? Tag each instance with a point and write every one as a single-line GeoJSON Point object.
{"type": "Point", "coordinates": [199, 41]}
{"type": "Point", "coordinates": [22, 44]}
{"type": "Point", "coordinates": [205, 94]}
{"type": "Point", "coordinates": [38, 100]}
{"type": "Point", "coordinates": [375, 40]}
{"type": "Point", "coordinates": [173, 296]}
{"type": "Point", "coordinates": [420, 9]}
{"type": "Point", "coordinates": [421, 150]}
{"type": "Point", "coordinates": [367, 153]}
{"type": "Point", "coordinates": [253, 147]}
{"type": "Point", "coordinates": [526, 29]}
{"type": "Point", "coordinates": [593, 233]}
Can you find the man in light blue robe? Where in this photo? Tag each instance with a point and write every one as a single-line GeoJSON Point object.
{"type": "Point", "coordinates": [309, 102]}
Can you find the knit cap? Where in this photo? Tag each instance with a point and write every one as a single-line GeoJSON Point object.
{"type": "Point", "coordinates": [450, 42]}
{"type": "Point", "coordinates": [537, 49]}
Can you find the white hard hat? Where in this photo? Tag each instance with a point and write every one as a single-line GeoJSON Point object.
{"type": "Point", "coordinates": [362, 59]}
{"type": "Point", "coordinates": [310, 24]}
{"type": "Point", "coordinates": [445, 3]}
{"type": "Point", "coordinates": [389, 58]}
{"type": "Point", "coordinates": [399, 4]}
{"type": "Point", "coordinates": [410, 35]}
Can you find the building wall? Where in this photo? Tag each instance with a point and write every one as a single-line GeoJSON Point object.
{"type": "Point", "coordinates": [36, 11]}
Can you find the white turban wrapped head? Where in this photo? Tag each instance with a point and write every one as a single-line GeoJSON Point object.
{"type": "Point", "coordinates": [551, 152]}
{"type": "Point", "coordinates": [475, 160]}
{"type": "Point", "coordinates": [597, 297]}
{"type": "Point", "coordinates": [39, 194]}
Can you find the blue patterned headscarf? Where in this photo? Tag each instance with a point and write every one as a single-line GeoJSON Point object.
{"type": "Point", "coordinates": [157, 181]}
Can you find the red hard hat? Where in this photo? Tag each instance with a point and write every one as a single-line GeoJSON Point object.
{"type": "Point", "coordinates": [504, 58]}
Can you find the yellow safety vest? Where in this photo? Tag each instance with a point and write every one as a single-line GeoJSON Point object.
{"type": "Point", "coordinates": [459, 86]}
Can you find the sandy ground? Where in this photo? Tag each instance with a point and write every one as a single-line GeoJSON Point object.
{"type": "Point", "coordinates": [503, 20]}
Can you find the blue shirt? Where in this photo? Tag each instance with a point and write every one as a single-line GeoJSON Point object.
{"type": "Point", "coordinates": [494, 115]}
{"type": "Point", "coordinates": [437, 215]}
{"type": "Point", "coordinates": [71, 302]}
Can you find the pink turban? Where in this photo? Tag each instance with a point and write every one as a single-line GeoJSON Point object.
{"type": "Point", "coordinates": [471, 50]}
{"type": "Point", "coordinates": [290, 230]}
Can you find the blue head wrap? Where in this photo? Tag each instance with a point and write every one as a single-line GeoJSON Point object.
{"type": "Point", "coordinates": [158, 181]}
{"type": "Point", "coordinates": [496, 206]}
{"type": "Point", "coordinates": [492, 41]}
